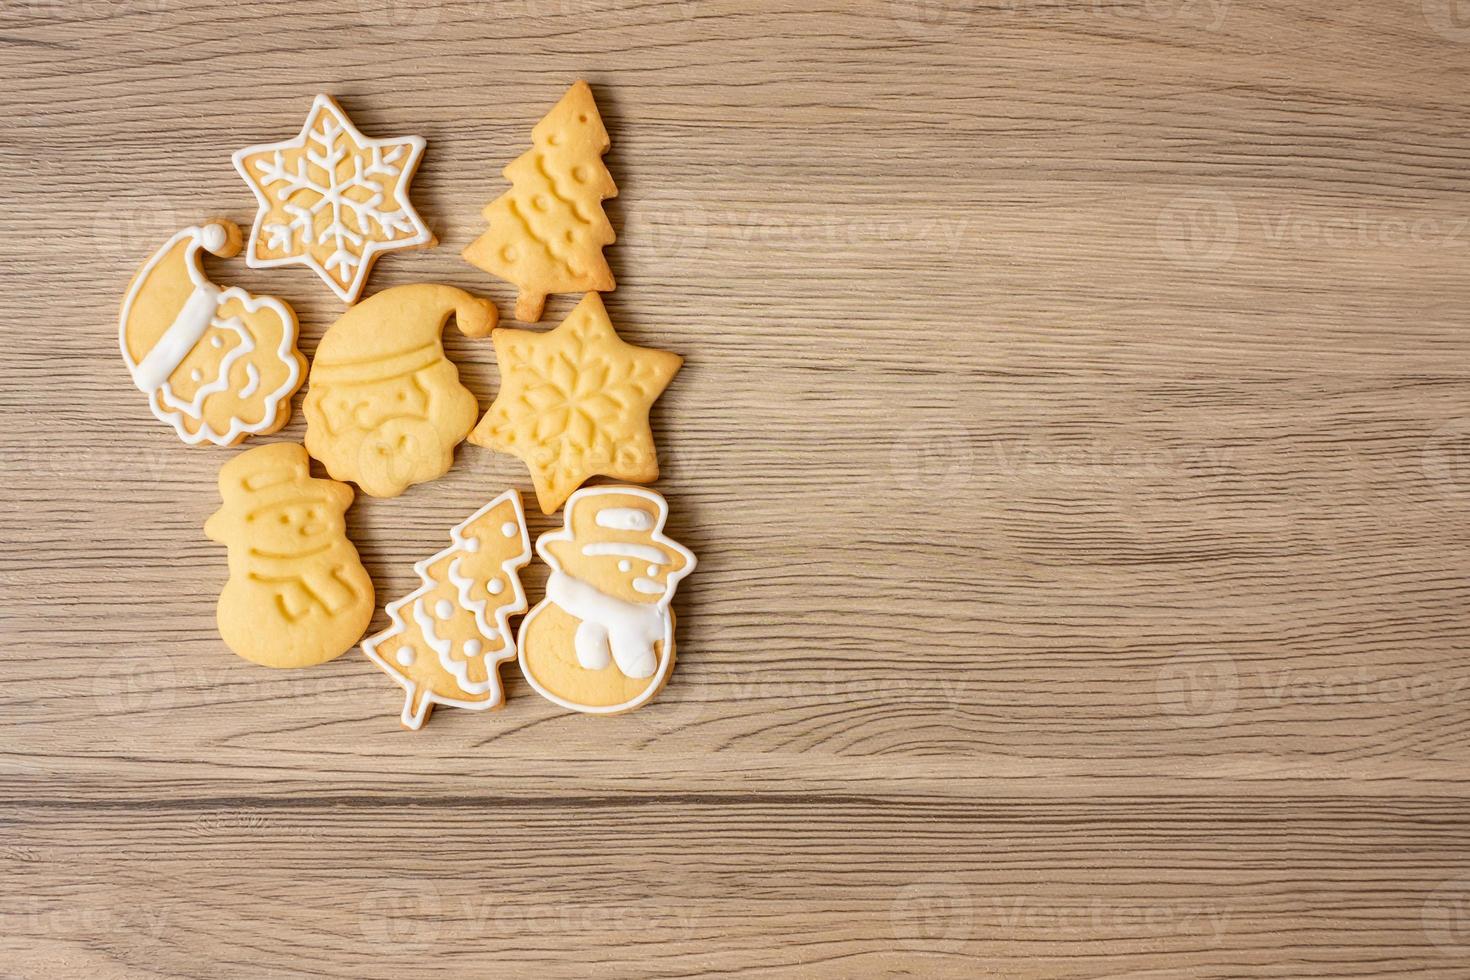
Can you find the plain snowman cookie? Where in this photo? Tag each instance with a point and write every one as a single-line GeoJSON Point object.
{"type": "Point", "coordinates": [451, 634]}
{"type": "Point", "coordinates": [385, 408]}
{"type": "Point", "coordinates": [602, 640]}
{"type": "Point", "coordinates": [217, 364]}
{"type": "Point", "coordinates": [297, 594]}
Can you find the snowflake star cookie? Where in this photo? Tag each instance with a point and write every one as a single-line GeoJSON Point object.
{"type": "Point", "coordinates": [385, 408]}
{"type": "Point", "coordinates": [297, 594]}
{"type": "Point", "coordinates": [451, 634]}
{"type": "Point", "coordinates": [332, 199]}
{"type": "Point", "coordinates": [547, 232]}
{"type": "Point", "coordinates": [574, 403]}
{"type": "Point", "coordinates": [602, 641]}
{"type": "Point", "coordinates": [216, 364]}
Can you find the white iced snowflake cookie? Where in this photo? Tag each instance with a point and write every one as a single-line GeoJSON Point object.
{"type": "Point", "coordinates": [217, 364]}
{"type": "Point", "coordinates": [602, 641]}
{"type": "Point", "coordinates": [332, 199]}
{"type": "Point", "coordinates": [451, 634]}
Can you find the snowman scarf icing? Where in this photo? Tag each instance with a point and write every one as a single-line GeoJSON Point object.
{"type": "Point", "coordinates": [625, 631]}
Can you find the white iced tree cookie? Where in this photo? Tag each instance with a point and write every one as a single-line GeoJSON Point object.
{"type": "Point", "coordinates": [602, 640]}
{"type": "Point", "coordinates": [216, 364]}
{"type": "Point", "coordinates": [332, 199]}
{"type": "Point", "coordinates": [451, 634]}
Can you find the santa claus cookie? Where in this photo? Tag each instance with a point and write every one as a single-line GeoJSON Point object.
{"type": "Point", "coordinates": [602, 640]}
{"type": "Point", "coordinates": [297, 594]}
{"type": "Point", "coordinates": [385, 408]}
{"type": "Point", "coordinates": [547, 232]}
{"type": "Point", "coordinates": [451, 634]}
{"type": "Point", "coordinates": [216, 364]}
{"type": "Point", "coordinates": [332, 199]}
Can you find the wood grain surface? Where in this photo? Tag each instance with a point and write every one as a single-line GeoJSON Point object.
{"type": "Point", "coordinates": [1074, 433]}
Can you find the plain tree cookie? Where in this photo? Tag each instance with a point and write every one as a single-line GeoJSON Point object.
{"type": "Point", "coordinates": [217, 364]}
{"type": "Point", "coordinates": [297, 593]}
{"type": "Point", "coordinates": [602, 640]}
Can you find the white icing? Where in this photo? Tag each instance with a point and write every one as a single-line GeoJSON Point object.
{"type": "Point", "coordinates": [651, 570]}
{"type": "Point", "coordinates": [495, 586]}
{"type": "Point", "coordinates": [509, 529]}
{"type": "Point", "coordinates": [252, 380]}
{"type": "Point", "coordinates": [643, 552]}
{"type": "Point", "coordinates": [590, 643]}
{"type": "Point", "coordinates": [443, 609]}
{"type": "Point", "coordinates": [498, 644]}
{"type": "Point", "coordinates": [632, 627]}
{"type": "Point", "coordinates": [404, 656]}
{"type": "Point", "coordinates": [216, 341]}
{"type": "Point", "coordinates": [625, 565]}
{"type": "Point", "coordinates": [625, 519]}
{"type": "Point", "coordinates": [199, 313]}
{"type": "Point", "coordinates": [637, 619]}
{"type": "Point", "coordinates": [648, 586]}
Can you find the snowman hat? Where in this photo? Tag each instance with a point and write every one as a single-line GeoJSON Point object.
{"type": "Point", "coordinates": [397, 332]}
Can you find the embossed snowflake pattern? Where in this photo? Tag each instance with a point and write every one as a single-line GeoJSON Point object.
{"type": "Point", "coordinates": [332, 199]}
{"type": "Point", "coordinates": [574, 403]}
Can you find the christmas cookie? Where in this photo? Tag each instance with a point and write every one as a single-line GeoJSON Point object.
{"type": "Point", "coordinates": [297, 594]}
{"type": "Point", "coordinates": [602, 641]}
{"type": "Point", "coordinates": [451, 634]}
{"type": "Point", "coordinates": [385, 408]}
{"type": "Point", "coordinates": [332, 199]}
{"type": "Point", "coordinates": [574, 402]}
{"type": "Point", "coordinates": [547, 232]}
{"type": "Point", "coordinates": [216, 364]}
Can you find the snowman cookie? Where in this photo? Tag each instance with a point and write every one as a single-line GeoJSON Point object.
{"type": "Point", "coordinates": [216, 364]}
{"type": "Point", "coordinates": [451, 634]}
{"type": "Point", "coordinates": [602, 640]}
{"type": "Point", "coordinates": [297, 594]}
{"type": "Point", "coordinates": [385, 408]}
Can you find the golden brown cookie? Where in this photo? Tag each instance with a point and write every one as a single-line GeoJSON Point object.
{"type": "Point", "coordinates": [451, 634]}
{"type": "Point", "coordinates": [385, 408]}
{"type": "Point", "coordinates": [216, 364]}
{"type": "Point", "coordinates": [547, 232]}
{"type": "Point", "coordinates": [602, 641]}
{"type": "Point", "coordinates": [574, 402]}
{"type": "Point", "coordinates": [297, 594]}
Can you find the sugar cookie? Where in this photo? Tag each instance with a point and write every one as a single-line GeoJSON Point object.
{"type": "Point", "coordinates": [297, 594]}
{"type": "Point", "coordinates": [574, 402]}
{"type": "Point", "coordinates": [385, 408]}
{"type": "Point", "coordinates": [547, 232]}
{"type": "Point", "coordinates": [451, 634]}
{"type": "Point", "coordinates": [332, 199]}
{"type": "Point", "coordinates": [602, 641]}
{"type": "Point", "coordinates": [216, 364]}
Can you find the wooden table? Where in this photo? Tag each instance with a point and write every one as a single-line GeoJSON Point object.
{"type": "Point", "coordinates": [1074, 433]}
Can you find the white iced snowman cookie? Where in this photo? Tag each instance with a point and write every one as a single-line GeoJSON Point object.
{"type": "Point", "coordinates": [451, 634]}
{"type": "Point", "coordinates": [216, 364]}
{"type": "Point", "coordinates": [602, 641]}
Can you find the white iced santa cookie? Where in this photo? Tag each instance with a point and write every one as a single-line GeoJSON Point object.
{"type": "Point", "coordinates": [602, 641]}
{"type": "Point", "coordinates": [216, 364]}
{"type": "Point", "coordinates": [451, 634]}
{"type": "Point", "coordinates": [332, 199]}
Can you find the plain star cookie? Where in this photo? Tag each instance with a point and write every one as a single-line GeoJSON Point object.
{"type": "Point", "coordinates": [385, 408]}
{"type": "Point", "coordinates": [574, 401]}
{"type": "Point", "coordinates": [602, 641]}
{"type": "Point", "coordinates": [332, 199]}
{"type": "Point", "coordinates": [216, 364]}
{"type": "Point", "coordinates": [297, 593]}
{"type": "Point", "coordinates": [451, 634]}
{"type": "Point", "coordinates": [547, 232]}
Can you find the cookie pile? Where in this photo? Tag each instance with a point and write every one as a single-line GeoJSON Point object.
{"type": "Point", "coordinates": [385, 409]}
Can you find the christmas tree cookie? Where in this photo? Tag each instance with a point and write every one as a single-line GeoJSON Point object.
{"type": "Point", "coordinates": [332, 199]}
{"type": "Point", "coordinates": [574, 403]}
{"type": "Point", "coordinates": [297, 594]}
{"type": "Point", "coordinates": [216, 364]}
{"type": "Point", "coordinates": [451, 634]}
{"type": "Point", "coordinates": [602, 641]}
{"type": "Point", "coordinates": [385, 408]}
{"type": "Point", "coordinates": [547, 232]}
